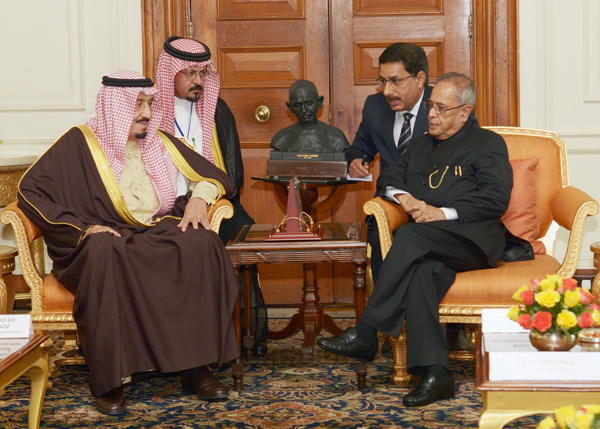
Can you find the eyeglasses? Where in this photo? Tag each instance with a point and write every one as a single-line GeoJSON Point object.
{"type": "Point", "coordinates": [394, 82]}
{"type": "Point", "coordinates": [428, 105]}
{"type": "Point", "coordinates": [192, 74]}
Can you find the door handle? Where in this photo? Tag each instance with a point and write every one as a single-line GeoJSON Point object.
{"type": "Point", "coordinates": [262, 113]}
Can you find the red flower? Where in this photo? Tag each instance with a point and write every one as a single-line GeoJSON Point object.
{"type": "Point", "coordinates": [525, 320]}
{"type": "Point", "coordinates": [569, 284]}
{"type": "Point", "coordinates": [536, 282]}
{"type": "Point", "coordinates": [542, 321]}
{"type": "Point", "coordinates": [593, 306]}
{"type": "Point", "coordinates": [586, 297]}
{"type": "Point", "coordinates": [585, 320]}
{"type": "Point", "coordinates": [527, 297]}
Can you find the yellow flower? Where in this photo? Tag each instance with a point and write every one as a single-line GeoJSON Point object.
{"type": "Point", "coordinates": [513, 313]}
{"type": "Point", "coordinates": [596, 316]}
{"type": "Point", "coordinates": [517, 294]}
{"type": "Point", "coordinates": [566, 319]}
{"type": "Point", "coordinates": [572, 298]}
{"type": "Point", "coordinates": [547, 423]}
{"type": "Point", "coordinates": [591, 409]}
{"type": "Point", "coordinates": [551, 282]}
{"type": "Point", "coordinates": [547, 298]}
{"type": "Point", "coordinates": [583, 421]}
{"type": "Point", "coordinates": [565, 416]}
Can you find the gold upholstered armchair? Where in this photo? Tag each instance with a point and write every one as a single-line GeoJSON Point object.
{"type": "Point", "coordinates": [541, 194]}
{"type": "Point", "coordinates": [51, 302]}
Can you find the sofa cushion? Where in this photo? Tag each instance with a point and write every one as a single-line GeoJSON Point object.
{"type": "Point", "coordinates": [494, 287]}
{"type": "Point", "coordinates": [521, 217]}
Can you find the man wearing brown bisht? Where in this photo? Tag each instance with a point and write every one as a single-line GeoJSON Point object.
{"type": "Point", "coordinates": [123, 211]}
{"type": "Point", "coordinates": [188, 85]}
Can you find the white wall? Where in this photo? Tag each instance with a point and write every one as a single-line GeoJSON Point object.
{"type": "Point", "coordinates": [559, 62]}
{"type": "Point", "coordinates": [53, 55]}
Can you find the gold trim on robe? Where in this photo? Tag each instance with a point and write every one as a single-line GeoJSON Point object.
{"type": "Point", "coordinates": [216, 150]}
{"type": "Point", "coordinates": [108, 177]}
{"type": "Point", "coordinates": [34, 207]}
{"type": "Point", "coordinates": [185, 168]}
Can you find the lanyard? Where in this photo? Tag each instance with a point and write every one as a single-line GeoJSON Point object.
{"type": "Point", "coordinates": [189, 123]}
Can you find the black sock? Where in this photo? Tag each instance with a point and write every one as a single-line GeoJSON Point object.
{"type": "Point", "coordinates": [440, 372]}
{"type": "Point", "coordinates": [366, 332]}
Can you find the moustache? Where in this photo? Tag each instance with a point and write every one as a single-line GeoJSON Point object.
{"type": "Point", "coordinates": [196, 87]}
{"type": "Point", "coordinates": [139, 121]}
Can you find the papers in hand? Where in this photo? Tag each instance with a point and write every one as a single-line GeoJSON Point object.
{"type": "Point", "coordinates": [368, 178]}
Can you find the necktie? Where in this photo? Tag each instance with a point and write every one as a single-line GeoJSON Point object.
{"type": "Point", "coordinates": [405, 134]}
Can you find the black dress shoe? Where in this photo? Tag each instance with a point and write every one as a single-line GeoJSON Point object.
{"type": "Point", "coordinates": [112, 403]}
{"type": "Point", "coordinates": [458, 341]}
{"type": "Point", "coordinates": [386, 349]}
{"type": "Point", "coordinates": [429, 390]}
{"type": "Point", "coordinates": [202, 382]}
{"type": "Point", "coordinates": [259, 350]}
{"type": "Point", "coordinates": [349, 344]}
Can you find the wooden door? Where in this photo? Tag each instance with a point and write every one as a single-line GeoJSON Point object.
{"type": "Point", "coordinates": [260, 48]}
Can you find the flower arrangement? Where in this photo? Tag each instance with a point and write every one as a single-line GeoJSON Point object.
{"type": "Point", "coordinates": [555, 305]}
{"type": "Point", "coordinates": [587, 417]}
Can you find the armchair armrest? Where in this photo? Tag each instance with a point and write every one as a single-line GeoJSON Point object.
{"type": "Point", "coordinates": [222, 209]}
{"type": "Point", "coordinates": [389, 217]}
{"type": "Point", "coordinates": [31, 250]}
{"type": "Point", "coordinates": [570, 207]}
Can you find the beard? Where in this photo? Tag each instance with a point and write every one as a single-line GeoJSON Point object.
{"type": "Point", "coordinates": [194, 97]}
{"type": "Point", "coordinates": [142, 135]}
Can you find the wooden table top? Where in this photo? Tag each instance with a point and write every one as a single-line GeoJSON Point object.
{"type": "Point", "coordinates": [33, 344]}
{"type": "Point", "coordinates": [335, 236]}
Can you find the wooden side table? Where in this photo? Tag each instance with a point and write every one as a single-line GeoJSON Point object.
{"type": "Point", "coordinates": [28, 359]}
{"type": "Point", "coordinates": [341, 242]}
{"type": "Point", "coordinates": [7, 281]}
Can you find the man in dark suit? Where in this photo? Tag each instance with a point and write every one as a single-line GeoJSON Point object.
{"type": "Point", "coordinates": [455, 184]}
{"type": "Point", "coordinates": [391, 119]}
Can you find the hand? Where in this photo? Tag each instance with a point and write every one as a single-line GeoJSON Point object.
{"type": "Point", "coordinates": [195, 213]}
{"type": "Point", "coordinates": [419, 210]}
{"type": "Point", "coordinates": [99, 228]}
{"type": "Point", "coordinates": [357, 169]}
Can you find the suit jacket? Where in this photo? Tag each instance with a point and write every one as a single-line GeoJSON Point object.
{"type": "Point", "coordinates": [469, 172]}
{"type": "Point", "coordinates": [376, 131]}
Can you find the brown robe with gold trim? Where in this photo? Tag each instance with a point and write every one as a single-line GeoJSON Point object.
{"type": "Point", "coordinates": [154, 298]}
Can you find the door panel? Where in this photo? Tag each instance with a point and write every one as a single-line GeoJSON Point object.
{"type": "Point", "coordinates": [440, 27]}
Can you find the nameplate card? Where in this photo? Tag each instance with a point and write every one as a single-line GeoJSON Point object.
{"type": "Point", "coordinates": [521, 365]}
{"type": "Point", "coordinates": [15, 326]}
{"type": "Point", "coordinates": [10, 346]}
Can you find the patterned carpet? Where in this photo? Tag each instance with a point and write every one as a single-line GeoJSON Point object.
{"type": "Point", "coordinates": [280, 391]}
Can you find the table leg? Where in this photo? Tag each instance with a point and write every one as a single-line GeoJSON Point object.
{"type": "Point", "coordinates": [311, 313]}
{"type": "Point", "coordinates": [247, 294]}
{"type": "Point", "coordinates": [237, 368]}
{"type": "Point", "coordinates": [360, 288]}
{"type": "Point", "coordinates": [39, 377]}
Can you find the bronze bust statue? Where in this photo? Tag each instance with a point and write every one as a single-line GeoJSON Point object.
{"type": "Point", "coordinates": [308, 135]}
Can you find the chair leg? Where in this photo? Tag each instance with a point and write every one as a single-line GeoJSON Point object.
{"type": "Point", "coordinates": [400, 374]}
{"type": "Point", "coordinates": [361, 374]}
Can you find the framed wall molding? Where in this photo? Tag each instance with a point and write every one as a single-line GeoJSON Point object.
{"type": "Point", "coordinates": [60, 40]}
